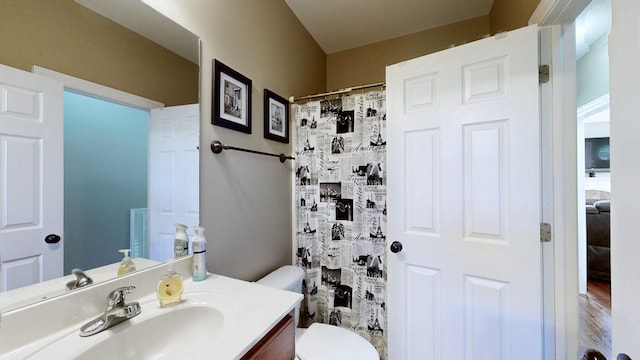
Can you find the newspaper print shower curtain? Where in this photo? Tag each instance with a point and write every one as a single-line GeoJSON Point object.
{"type": "Point", "coordinates": [341, 212]}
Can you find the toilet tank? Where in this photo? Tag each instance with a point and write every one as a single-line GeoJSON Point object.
{"type": "Point", "coordinates": [287, 277]}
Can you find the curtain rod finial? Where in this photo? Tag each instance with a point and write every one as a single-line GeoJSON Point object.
{"type": "Point", "coordinates": [216, 147]}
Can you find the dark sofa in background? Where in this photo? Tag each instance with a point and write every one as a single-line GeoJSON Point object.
{"type": "Point", "coordinates": [599, 240]}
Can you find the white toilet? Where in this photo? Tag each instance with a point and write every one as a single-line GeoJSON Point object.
{"type": "Point", "coordinates": [319, 341]}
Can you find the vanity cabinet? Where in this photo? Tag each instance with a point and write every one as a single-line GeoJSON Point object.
{"type": "Point", "coordinates": [278, 344]}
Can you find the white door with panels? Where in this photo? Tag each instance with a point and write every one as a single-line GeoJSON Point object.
{"type": "Point", "coordinates": [174, 168]}
{"type": "Point", "coordinates": [465, 277]}
{"type": "Point", "coordinates": [31, 178]}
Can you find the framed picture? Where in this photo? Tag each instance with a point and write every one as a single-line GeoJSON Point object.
{"type": "Point", "coordinates": [276, 117]}
{"type": "Point", "coordinates": [231, 98]}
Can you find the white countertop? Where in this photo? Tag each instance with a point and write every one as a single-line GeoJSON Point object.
{"type": "Point", "coordinates": [255, 310]}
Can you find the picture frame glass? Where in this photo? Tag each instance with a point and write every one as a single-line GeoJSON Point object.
{"type": "Point", "coordinates": [276, 117]}
{"type": "Point", "coordinates": [277, 121]}
{"type": "Point", "coordinates": [233, 103]}
{"type": "Point", "coordinates": [231, 99]}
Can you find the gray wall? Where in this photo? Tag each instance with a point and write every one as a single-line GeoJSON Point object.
{"type": "Point", "coordinates": [245, 199]}
{"type": "Point", "coordinates": [593, 72]}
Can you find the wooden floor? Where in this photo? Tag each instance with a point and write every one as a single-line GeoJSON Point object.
{"type": "Point", "coordinates": [595, 318]}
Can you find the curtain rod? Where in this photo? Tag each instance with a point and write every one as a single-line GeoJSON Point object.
{"type": "Point", "coordinates": [217, 147]}
{"type": "Point", "coordinates": [341, 91]}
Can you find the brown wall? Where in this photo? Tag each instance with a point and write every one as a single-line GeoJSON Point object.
{"type": "Point", "coordinates": [63, 36]}
{"type": "Point", "coordinates": [366, 64]}
{"type": "Point", "coordinates": [509, 15]}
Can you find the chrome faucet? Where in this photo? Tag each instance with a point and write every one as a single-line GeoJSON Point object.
{"type": "Point", "coordinates": [116, 312]}
{"type": "Point", "coordinates": [82, 279]}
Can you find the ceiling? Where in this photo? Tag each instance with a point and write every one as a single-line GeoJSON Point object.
{"type": "Point", "coordinates": [339, 25]}
{"type": "Point", "coordinates": [139, 17]}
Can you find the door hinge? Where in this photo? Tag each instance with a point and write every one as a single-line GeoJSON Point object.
{"type": "Point", "coordinates": [543, 74]}
{"type": "Point", "coordinates": [545, 232]}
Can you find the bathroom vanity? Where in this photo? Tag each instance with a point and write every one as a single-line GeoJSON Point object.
{"type": "Point", "coordinates": [219, 318]}
{"type": "Point", "coordinates": [278, 344]}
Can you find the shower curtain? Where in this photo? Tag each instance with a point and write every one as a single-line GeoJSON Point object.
{"type": "Point", "coordinates": [341, 212]}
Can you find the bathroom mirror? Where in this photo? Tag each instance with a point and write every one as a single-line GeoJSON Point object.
{"type": "Point", "coordinates": [139, 18]}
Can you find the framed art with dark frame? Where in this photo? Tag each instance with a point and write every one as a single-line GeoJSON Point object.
{"type": "Point", "coordinates": [231, 99]}
{"type": "Point", "coordinates": [276, 117]}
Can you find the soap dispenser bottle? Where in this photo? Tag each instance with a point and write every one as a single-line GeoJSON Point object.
{"type": "Point", "coordinates": [181, 242]}
{"type": "Point", "coordinates": [199, 260]}
{"type": "Point", "coordinates": [126, 265]}
{"type": "Point", "coordinates": [169, 289]}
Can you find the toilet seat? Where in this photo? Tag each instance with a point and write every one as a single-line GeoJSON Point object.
{"type": "Point", "coordinates": [319, 341]}
{"type": "Point", "coordinates": [323, 341]}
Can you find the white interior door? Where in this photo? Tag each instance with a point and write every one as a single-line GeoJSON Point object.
{"type": "Point", "coordinates": [31, 178]}
{"type": "Point", "coordinates": [174, 169]}
{"type": "Point", "coordinates": [464, 201]}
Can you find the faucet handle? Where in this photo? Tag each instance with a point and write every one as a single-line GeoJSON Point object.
{"type": "Point", "coordinates": [125, 289]}
{"type": "Point", "coordinates": [117, 296]}
{"type": "Point", "coordinates": [82, 279]}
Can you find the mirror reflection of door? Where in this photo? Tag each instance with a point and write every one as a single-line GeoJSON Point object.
{"type": "Point", "coordinates": [174, 196]}
{"type": "Point", "coordinates": [31, 178]}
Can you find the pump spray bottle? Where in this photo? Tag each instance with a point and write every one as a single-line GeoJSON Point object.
{"type": "Point", "coordinates": [199, 261]}
{"type": "Point", "coordinates": [181, 242]}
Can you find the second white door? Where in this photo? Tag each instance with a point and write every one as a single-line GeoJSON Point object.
{"type": "Point", "coordinates": [464, 202]}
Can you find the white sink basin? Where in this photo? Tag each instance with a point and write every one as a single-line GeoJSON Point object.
{"type": "Point", "coordinates": [219, 318]}
{"type": "Point", "coordinates": [178, 332]}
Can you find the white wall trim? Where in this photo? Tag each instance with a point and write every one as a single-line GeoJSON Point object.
{"type": "Point", "coordinates": [557, 12]}
{"type": "Point", "coordinates": [89, 88]}
{"type": "Point", "coordinates": [594, 106]}
{"type": "Point", "coordinates": [550, 331]}
{"type": "Point", "coordinates": [544, 9]}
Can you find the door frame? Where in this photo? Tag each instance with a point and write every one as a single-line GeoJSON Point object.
{"type": "Point", "coordinates": [559, 180]}
{"type": "Point", "coordinates": [88, 88]}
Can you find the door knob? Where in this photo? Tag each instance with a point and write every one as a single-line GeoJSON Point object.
{"type": "Point", "coordinates": [52, 239]}
{"type": "Point", "coordinates": [396, 247]}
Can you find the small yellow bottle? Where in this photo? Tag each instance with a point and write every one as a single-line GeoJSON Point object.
{"type": "Point", "coordinates": [169, 290]}
{"type": "Point", "coordinates": [126, 265]}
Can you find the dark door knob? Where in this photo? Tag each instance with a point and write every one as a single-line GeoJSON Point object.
{"type": "Point", "coordinates": [52, 239]}
{"type": "Point", "coordinates": [396, 247]}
